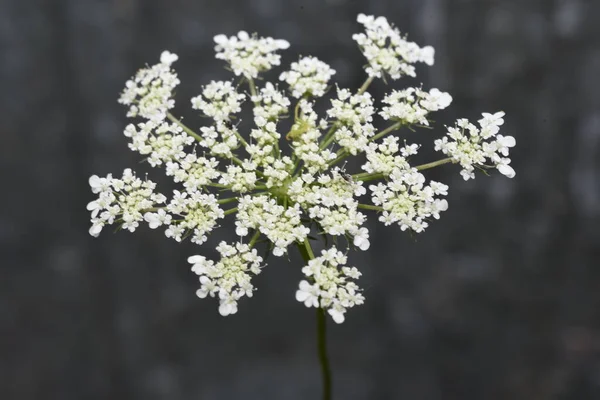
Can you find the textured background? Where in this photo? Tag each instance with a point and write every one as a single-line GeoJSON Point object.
{"type": "Point", "coordinates": [500, 299]}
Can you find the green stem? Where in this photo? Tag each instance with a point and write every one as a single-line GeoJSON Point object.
{"type": "Point", "coordinates": [365, 85]}
{"type": "Point", "coordinates": [184, 127]}
{"type": "Point", "coordinates": [329, 136]}
{"type": "Point", "coordinates": [343, 153]}
{"type": "Point", "coordinates": [254, 238]}
{"type": "Point", "coordinates": [322, 349]}
{"type": "Point", "coordinates": [434, 164]}
{"type": "Point", "coordinates": [370, 207]}
{"type": "Point", "coordinates": [364, 177]}
{"type": "Point", "coordinates": [307, 254]}
{"type": "Point", "coordinates": [387, 130]}
{"type": "Point", "coordinates": [240, 138]}
{"type": "Point", "coordinates": [252, 87]}
{"type": "Point", "coordinates": [225, 201]}
{"type": "Point", "coordinates": [230, 211]}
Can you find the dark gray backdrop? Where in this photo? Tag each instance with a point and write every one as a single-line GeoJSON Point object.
{"type": "Point", "coordinates": [498, 300]}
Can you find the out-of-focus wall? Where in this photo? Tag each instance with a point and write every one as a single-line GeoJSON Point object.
{"type": "Point", "coordinates": [497, 300]}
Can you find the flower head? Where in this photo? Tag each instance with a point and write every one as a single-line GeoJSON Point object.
{"type": "Point", "coordinates": [148, 94]}
{"type": "Point", "coordinates": [309, 76]}
{"type": "Point", "coordinates": [249, 55]}
{"type": "Point", "coordinates": [284, 181]}
{"type": "Point", "coordinates": [473, 146]}
{"type": "Point", "coordinates": [387, 52]}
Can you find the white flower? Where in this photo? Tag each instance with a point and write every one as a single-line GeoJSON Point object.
{"type": "Point", "coordinates": [219, 100]}
{"type": "Point", "coordinates": [200, 212]}
{"type": "Point", "coordinates": [127, 198]}
{"type": "Point", "coordinates": [406, 199]}
{"type": "Point", "coordinates": [412, 105]}
{"type": "Point", "coordinates": [506, 169]}
{"type": "Point", "coordinates": [387, 51]}
{"type": "Point", "coordinates": [280, 225]}
{"type": "Point", "coordinates": [331, 288]}
{"type": "Point", "coordinates": [472, 147]}
{"type": "Point", "coordinates": [168, 58]}
{"type": "Point", "coordinates": [308, 294]}
{"type": "Point", "coordinates": [308, 76]}
{"type": "Point", "coordinates": [249, 55]}
{"type": "Point", "coordinates": [230, 277]}
{"type": "Point", "coordinates": [148, 94]}
{"type": "Point", "coordinates": [278, 191]}
{"type": "Point", "coordinates": [361, 239]}
{"type": "Point", "coordinates": [157, 219]}
{"type": "Point", "coordinates": [162, 142]}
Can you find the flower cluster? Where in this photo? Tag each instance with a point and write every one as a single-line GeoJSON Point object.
{"type": "Point", "coordinates": [161, 141]}
{"type": "Point", "coordinates": [328, 284]}
{"type": "Point", "coordinates": [283, 180]}
{"type": "Point", "coordinates": [248, 55]}
{"type": "Point", "coordinates": [309, 76]}
{"type": "Point", "coordinates": [148, 94]}
{"type": "Point", "coordinates": [387, 52]}
{"type": "Point", "coordinates": [406, 199]}
{"type": "Point", "coordinates": [471, 146]}
{"type": "Point", "coordinates": [412, 105]}
{"type": "Point", "coordinates": [229, 279]}
{"type": "Point", "coordinates": [122, 200]}
{"type": "Point", "coordinates": [219, 100]}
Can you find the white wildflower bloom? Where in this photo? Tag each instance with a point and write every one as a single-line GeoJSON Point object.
{"type": "Point", "coordinates": [384, 158]}
{"type": "Point", "coordinates": [241, 180]}
{"type": "Point", "coordinates": [149, 93]}
{"type": "Point", "coordinates": [248, 55]}
{"type": "Point", "coordinates": [412, 105]}
{"type": "Point", "coordinates": [407, 200]}
{"type": "Point", "coordinates": [157, 219]}
{"type": "Point", "coordinates": [352, 109]}
{"type": "Point", "coordinates": [162, 142]}
{"type": "Point", "coordinates": [330, 201]}
{"type": "Point", "coordinates": [277, 173]}
{"type": "Point", "coordinates": [354, 116]}
{"type": "Point", "coordinates": [387, 52]}
{"type": "Point", "coordinates": [193, 171]}
{"type": "Point", "coordinates": [277, 190]}
{"type": "Point", "coordinates": [282, 226]}
{"type": "Point", "coordinates": [122, 200]}
{"type": "Point", "coordinates": [305, 136]}
{"type": "Point", "coordinates": [329, 284]}
{"type": "Point", "coordinates": [219, 101]}
{"type": "Point", "coordinates": [196, 214]}
{"type": "Point", "coordinates": [308, 76]}
{"type": "Point", "coordinates": [269, 104]}
{"type": "Point", "coordinates": [472, 147]}
{"type": "Point", "coordinates": [220, 139]}
{"type": "Point", "coordinates": [230, 277]}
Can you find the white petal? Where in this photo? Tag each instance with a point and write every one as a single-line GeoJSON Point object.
{"type": "Point", "coordinates": [362, 243]}
{"type": "Point", "coordinates": [301, 296]}
{"type": "Point", "coordinates": [94, 181]}
{"type": "Point", "coordinates": [225, 309]}
{"type": "Point", "coordinates": [506, 170]}
{"type": "Point", "coordinates": [508, 141]}
{"type": "Point", "coordinates": [196, 259]}
{"type": "Point", "coordinates": [95, 230]}
{"type": "Point", "coordinates": [337, 316]}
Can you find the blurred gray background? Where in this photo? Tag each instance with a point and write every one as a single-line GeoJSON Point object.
{"type": "Point", "coordinates": [500, 299]}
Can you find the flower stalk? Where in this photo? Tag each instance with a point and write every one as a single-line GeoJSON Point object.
{"type": "Point", "coordinates": [307, 255]}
